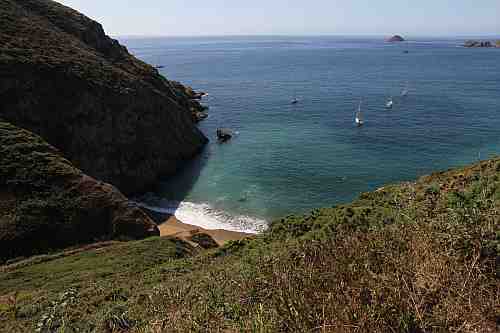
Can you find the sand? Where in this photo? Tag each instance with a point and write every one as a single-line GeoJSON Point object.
{"type": "Point", "coordinates": [173, 227]}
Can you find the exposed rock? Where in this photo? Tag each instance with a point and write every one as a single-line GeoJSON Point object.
{"type": "Point", "coordinates": [47, 203]}
{"type": "Point", "coordinates": [111, 114]}
{"type": "Point", "coordinates": [204, 240]}
{"type": "Point", "coordinates": [477, 43]}
{"type": "Point", "coordinates": [224, 134]}
{"type": "Point", "coordinates": [200, 116]}
{"type": "Point", "coordinates": [188, 91]}
{"type": "Point", "coordinates": [395, 38]}
{"type": "Point", "coordinates": [197, 109]}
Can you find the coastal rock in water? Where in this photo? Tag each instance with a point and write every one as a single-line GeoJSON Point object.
{"type": "Point", "coordinates": [477, 43]}
{"type": "Point", "coordinates": [113, 116]}
{"type": "Point", "coordinates": [200, 116]}
{"type": "Point", "coordinates": [395, 38]}
{"type": "Point", "coordinates": [46, 203]}
{"type": "Point", "coordinates": [224, 134]}
{"type": "Point", "coordinates": [193, 98]}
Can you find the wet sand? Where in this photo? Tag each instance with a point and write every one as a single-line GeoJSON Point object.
{"type": "Point", "coordinates": [173, 227]}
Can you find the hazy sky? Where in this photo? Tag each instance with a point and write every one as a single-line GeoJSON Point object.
{"type": "Point", "coordinates": [296, 17]}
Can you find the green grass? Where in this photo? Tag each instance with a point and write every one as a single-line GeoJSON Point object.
{"type": "Point", "coordinates": [414, 257]}
{"type": "Point", "coordinates": [46, 203]}
{"type": "Point", "coordinates": [91, 281]}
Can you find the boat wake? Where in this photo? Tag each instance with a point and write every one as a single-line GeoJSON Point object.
{"type": "Point", "coordinates": [205, 216]}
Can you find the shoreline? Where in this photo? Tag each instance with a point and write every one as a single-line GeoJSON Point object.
{"type": "Point", "coordinates": [170, 226]}
{"type": "Point", "coordinates": [173, 227]}
{"type": "Point", "coordinates": [200, 215]}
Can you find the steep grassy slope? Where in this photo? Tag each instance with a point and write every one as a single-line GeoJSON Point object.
{"type": "Point", "coordinates": [46, 203]}
{"type": "Point", "coordinates": [112, 115]}
{"type": "Point", "coordinates": [414, 257]}
{"type": "Point", "coordinates": [62, 292]}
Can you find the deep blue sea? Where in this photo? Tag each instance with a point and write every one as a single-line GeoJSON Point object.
{"type": "Point", "coordinates": [293, 158]}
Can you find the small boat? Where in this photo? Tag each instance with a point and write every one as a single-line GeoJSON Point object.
{"type": "Point", "coordinates": [359, 116]}
{"type": "Point", "coordinates": [295, 100]}
{"type": "Point", "coordinates": [389, 103]}
{"type": "Point", "coordinates": [405, 91]}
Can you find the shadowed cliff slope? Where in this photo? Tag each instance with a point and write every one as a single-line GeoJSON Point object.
{"type": "Point", "coordinates": [47, 203]}
{"type": "Point", "coordinates": [111, 114]}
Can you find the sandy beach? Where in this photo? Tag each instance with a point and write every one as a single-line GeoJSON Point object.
{"type": "Point", "coordinates": [173, 227]}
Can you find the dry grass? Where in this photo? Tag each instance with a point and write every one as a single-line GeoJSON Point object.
{"type": "Point", "coordinates": [417, 257]}
{"type": "Point", "coordinates": [402, 279]}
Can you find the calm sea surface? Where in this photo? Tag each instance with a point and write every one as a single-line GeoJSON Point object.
{"type": "Point", "coordinates": [292, 158]}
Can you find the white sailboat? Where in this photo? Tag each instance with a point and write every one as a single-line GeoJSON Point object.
{"type": "Point", "coordinates": [295, 100]}
{"type": "Point", "coordinates": [405, 91]}
{"type": "Point", "coordinates": [389, 103]}
{"type": "Point", "coordinates": [359, 116]}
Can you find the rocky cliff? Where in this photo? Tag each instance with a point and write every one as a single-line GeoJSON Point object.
{"type": "Point", "coordinates": [111, 114]}
{"type": "Point", "coordinates": [47, 203]}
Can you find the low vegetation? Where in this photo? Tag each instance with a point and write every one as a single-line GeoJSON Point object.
{"type": "Point", "coordinates": [46, 203]}
{"type": "Point", "coordinates": [414, 257]}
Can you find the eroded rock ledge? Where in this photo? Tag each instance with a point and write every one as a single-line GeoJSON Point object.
{"type": "Point", "coordinates": [112, 115]}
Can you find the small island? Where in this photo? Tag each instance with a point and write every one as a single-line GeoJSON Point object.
{"type": "Point", "coordinates": [481, 43]}
{"type": "Point", "coordinates": [395, 39]}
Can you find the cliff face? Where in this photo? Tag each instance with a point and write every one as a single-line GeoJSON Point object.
{"type": "Point", "coordinates": [47, 203]}
{"type": "Point", "coordinates": [112, 115]}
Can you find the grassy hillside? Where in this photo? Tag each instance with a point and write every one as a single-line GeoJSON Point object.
{"type": "Point", "coordinates": [413, 257]}
{"type": "Point", "coordinates": [46, 203]}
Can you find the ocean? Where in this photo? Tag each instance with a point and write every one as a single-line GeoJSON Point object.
{"type": "Point", "coordinates": [289, 159]}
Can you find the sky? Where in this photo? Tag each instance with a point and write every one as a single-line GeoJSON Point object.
{"type": "Point", "coordinates": [293, 17]}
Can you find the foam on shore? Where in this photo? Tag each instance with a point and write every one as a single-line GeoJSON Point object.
{"type": "Point", "coordinates": [205, 216]}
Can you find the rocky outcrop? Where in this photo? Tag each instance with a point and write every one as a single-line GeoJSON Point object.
{"type": "Point", "coordinates": [112, 115]}
{"type": "Point", "coordinates": [198, 111]}
{"type": "Point", "coordinates": [224, 134]}
{"type": "Point", "coordinates": [395, 38]}
{"type": "Point", "coordinates": [46, 203]}
{"type": "Point", "coordinates": [478, 43]}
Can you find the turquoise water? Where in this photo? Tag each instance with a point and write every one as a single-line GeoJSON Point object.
{"type": "Point", "coordinates": [293, 158]}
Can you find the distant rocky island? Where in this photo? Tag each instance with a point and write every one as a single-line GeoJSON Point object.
{"type": "Point", "coordinates": [395, 39]}
{"type": "Point", "coordinates": [480, 43]}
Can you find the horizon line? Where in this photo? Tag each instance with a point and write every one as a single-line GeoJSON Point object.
{"type": "Point", "coordinates": [489, 35]}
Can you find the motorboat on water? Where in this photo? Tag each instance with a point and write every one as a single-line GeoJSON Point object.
{"type": "Point", "coordinates": [389, 104]}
